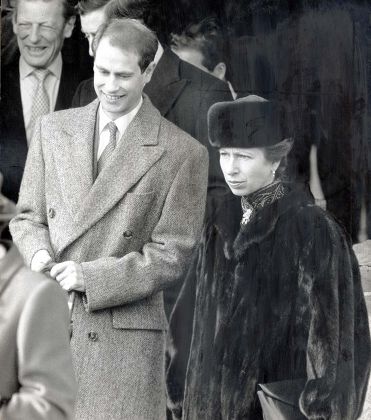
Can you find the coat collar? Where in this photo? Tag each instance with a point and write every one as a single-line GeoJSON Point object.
{"type": "Point", "coordinates": [9, 265]}
{"type": "Point", "coordinates": [137, 151]}
{"type": "Point", "coordinates": [266, 219]}
{"type": "Point", "coordinates": [224, 215]}
{"type": "Point", "coordinates": [166, 84]}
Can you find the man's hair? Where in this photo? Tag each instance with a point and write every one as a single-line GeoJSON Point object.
{"type": "Point", "coordinates": [205, 37]}
{"type": "Point", "coordinates": [129, 35]}
{"type": "Point", "coordinates": [69, 7]}
{"type": "Point", "coordinates": [87, 6]}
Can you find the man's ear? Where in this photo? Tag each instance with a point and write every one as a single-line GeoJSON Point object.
{"type": "Point", "coordinates": [219, 71]}
{"type": "Point", "coordinates": [149, 71]}
{"type": "Point", "coordinates": [68, 27]}
{"type": "Point", "coordinates": [14, 22]}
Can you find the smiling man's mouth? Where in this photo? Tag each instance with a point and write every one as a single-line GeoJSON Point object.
{"type": "Point", "coordinates": [112, 98]}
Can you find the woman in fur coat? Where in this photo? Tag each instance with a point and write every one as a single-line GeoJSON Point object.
{"type": "Point", "coordinates": [278, 293]}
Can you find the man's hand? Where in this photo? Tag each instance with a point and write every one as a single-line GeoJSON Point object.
{"type": "Point", "coordinates": [40, 260]}
{"type": "Point", "coordinates": [69, 275]}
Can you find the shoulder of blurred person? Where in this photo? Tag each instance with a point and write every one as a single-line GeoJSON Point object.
{"type": "Point", "coordinates": [37, 379]}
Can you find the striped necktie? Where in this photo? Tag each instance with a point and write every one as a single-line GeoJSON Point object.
{"type": "Point", "coordinates": [107, 152]}
{"type": "Point", "coordinates": [40, 105]}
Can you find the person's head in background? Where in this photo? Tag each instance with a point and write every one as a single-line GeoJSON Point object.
{"type": "Point", "coordinates": [203, 45]}
{"type": "Point", "coordinates": [92, 15]}
{"type": "Point", "coordinates": [149, 12]}
{"type": "Point", "coordinates": [41, 27]}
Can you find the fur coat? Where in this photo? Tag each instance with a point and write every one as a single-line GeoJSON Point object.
{"type": "Point", "coordinates": [277, 299]}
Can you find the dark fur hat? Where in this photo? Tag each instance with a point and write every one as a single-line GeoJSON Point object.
{"type": "Point", "coordinates": [251, 121]}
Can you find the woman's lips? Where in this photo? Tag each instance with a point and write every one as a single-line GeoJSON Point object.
{"type": "Point", "coordinates": [235, 183]}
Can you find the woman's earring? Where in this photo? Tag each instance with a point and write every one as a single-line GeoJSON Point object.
{"type": "Point", "coordinates": [273, 173]}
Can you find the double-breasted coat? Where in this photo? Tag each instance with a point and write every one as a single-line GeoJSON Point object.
{"type": "Point", "coordinates": [132, 229]}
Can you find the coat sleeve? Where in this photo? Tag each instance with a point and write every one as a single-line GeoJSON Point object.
{"type": "Point", "coordinates": [179, 340]}
{"type": "Point", "coordinates": [47, 384]}
{"type": "Point", "coordinates": [29, 229]}
{"type": "Point", "coordinates": [338, 349]}
{"type": "Point", "coordinates": [113, 281]}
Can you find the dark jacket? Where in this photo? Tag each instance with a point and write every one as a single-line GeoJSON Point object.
{"type": "Point", "coordinates": [281, 300]}
{"type": "Point", "coordinates": [183, 94]}
{"type": "Point", "coordinates": [13, 141]}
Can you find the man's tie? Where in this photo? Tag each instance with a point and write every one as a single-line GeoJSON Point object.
{"type": "Point", "coordinates": [40, 104]}
{"type": "Point", "coordinates": [107, 152]}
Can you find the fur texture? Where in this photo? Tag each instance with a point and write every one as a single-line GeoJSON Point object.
{"type": "Point", "coordinates": [281, 301]}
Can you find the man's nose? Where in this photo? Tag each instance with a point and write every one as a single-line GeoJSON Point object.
{"type": "Point", "coordinates": [34, 35]}
{"type": "Point", "coordinates": [111, 84]}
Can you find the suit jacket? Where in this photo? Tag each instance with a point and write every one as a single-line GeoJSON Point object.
{"type": "Point", "coordinates": [133, 230]}
{"type": "Point", "coordinates": [37, 380]}
{"type": "Point", "coordinates": [13, 141]}
{"type": "Point", "coordinates": [183, 94]}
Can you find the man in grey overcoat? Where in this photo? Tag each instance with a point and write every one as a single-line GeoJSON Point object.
{"type": "Point", "coordinates": [113, 194]}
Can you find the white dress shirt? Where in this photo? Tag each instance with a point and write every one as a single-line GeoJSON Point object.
{"type": "Point", "coordinates": [29, 86]}
{"type": "Point", "coordinates": [122, 124]}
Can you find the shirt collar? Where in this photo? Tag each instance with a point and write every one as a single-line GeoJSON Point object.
{"type": "Point", "coordinates": [158, 54]}
{"type": "Point", "coordinates": [55, 67]}
{"type": "Point", "coordinates": [121, 122]}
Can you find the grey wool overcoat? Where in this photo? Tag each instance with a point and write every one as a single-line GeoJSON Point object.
{"type": "Point", "coordinates": [132, 229]}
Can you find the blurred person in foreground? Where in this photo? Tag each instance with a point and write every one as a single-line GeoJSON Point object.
{"type": "Point", "coordinates": [278, 297]}
{"type": "Point", "coordinates": [114, 194]}
{"type": "Point", "coordinates": [37, 380]}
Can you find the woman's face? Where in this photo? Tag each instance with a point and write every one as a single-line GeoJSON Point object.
{"type": "Point", "coordinates": [246, 169]}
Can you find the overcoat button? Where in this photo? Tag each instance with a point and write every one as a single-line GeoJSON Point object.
{"type": "Point", "coordinates": [51, 213]}
{"type": "Point", "coordinates": [93, 336]}
{"type": "Point", "coordinates": [128, 234]}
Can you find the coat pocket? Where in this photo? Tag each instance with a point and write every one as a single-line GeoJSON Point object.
{"type": "Point", "coordinates": [146, 314]}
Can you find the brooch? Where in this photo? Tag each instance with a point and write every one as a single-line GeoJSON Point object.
{"type": "Point", "coordinates": [246, 216]}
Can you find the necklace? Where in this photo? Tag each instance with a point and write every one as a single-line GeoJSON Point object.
{"type": "Point", "coordinates": [257, 200]}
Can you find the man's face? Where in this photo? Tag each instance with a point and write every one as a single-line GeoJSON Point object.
{"type": "Point", "coordinates": [41, 28]}
{"type": "Point", "coordinates": [90, 23]}
{"type": "Point", "coordinates": [118, 80]}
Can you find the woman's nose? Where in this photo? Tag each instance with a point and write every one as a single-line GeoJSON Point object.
{"type": "Point", "coordinates": [231, 166]}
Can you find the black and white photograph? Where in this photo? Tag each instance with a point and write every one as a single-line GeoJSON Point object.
{"type": "Point", "coordinates": [185, 210]}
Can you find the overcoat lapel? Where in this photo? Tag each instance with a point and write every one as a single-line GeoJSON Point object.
{"type": "Point", "coordinates": [136, 152]}
{"type": "Point", "coordinates": [13, 115]}
{"type": "Point", "coordinates": [73, 156]}
{"type": "Point", "coordinates": [166, 84]}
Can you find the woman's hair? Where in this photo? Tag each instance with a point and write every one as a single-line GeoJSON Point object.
{"type": "Point", "coordinates": [278, 153]}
